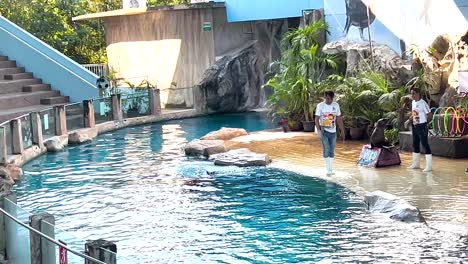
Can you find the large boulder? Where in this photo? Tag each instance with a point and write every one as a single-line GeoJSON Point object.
{"type": "Point", "coordinates": [241, 158]}
{"type": "Point", "coordinates": [393, 206]}
{"type": "Point", "coordinates": [225, 133]}
{"type": "Point", "coordinates": [56, 144]}
{"type": "Point", "coordinates": [12, 172]}
{"type": "Point", "coordinates": [233, 83]}
{"type": "Point", "coordinates": [6, 185]}
{"type": "Point", "coordinates": [358, 57]}
{"type": "Point", "coordinates": [204, 147]}
{"type": "Point", "coordinates": [82, 135]}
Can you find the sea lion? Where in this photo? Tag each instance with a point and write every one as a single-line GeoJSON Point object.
{"type": "Point", "coordinates": [377, 138]}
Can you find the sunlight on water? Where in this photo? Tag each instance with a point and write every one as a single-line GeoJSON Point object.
{"type": "Point", "coordinates": [136, 188]}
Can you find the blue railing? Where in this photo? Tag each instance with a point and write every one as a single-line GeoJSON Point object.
{"type": "Point", "coordinates": [54, 68]}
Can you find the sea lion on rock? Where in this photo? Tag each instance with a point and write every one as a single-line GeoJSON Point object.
{"type": "Point", "coordinates": [377, 138]}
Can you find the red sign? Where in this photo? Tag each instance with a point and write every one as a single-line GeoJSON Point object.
{"type": "Point", "coordinates": [63, 257]}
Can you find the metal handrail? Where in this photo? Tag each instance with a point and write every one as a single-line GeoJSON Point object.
{"type": "Point", "coordinates": [58, 243]}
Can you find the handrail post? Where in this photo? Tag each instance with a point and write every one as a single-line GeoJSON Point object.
{"type": "Point", "coordinates": [116, 107]}
{"type": "Point", "coordinates": [155, 102]}
{"type": "Point", "coordinates": [42, 251]}
{"type": "Point", "coordinates": [60, 120]}
{"type": "Point", "coordinates": [18, 146]}
{"type": "Point", "coordinates": [3, 146]}
{"type": "Point", "coordinates": [36, 125]}
{"type": "Point", "coordinates": [102, 250]}
{"type": "Point", "coordinates": [89, 120]}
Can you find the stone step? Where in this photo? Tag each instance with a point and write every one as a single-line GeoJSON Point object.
{"type": "Point", "coordinates": [36, 88]}
{"type": "Point", "coordinates": [6, 71]}
{"type": "Point", "coordinates": [7, 64]}
{"type": "Point", "coordinates": [16, 112]}
{"type": "Point", "coordinates": [19, 76]}
{"type": "Point", "coordinates": [16, 100]}
{"type": "Point", "coordinates": [3, 58]}
{"type": "Point", "coordinates": [16, 86]}
{"type": "Point", "coordinates": [55, 100]}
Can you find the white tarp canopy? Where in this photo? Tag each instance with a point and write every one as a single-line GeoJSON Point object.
{"type": "Point", "coordinates": [419, 22]}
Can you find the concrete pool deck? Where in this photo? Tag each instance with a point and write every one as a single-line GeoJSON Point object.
{"type": "Point", "coordinates": [442, 195]}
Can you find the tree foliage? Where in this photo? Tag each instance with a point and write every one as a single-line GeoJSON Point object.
{"type": "Point", "coordinates": [51, 21]}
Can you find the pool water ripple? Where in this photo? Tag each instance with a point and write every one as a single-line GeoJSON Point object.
{"type": "Point", "coordinates": [135, 187]}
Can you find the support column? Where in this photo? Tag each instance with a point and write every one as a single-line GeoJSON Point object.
{"type": "Point", "coordinates": [3, 146]}
{"type": "Point", "coordinates": [36, 124]}
{"type": "Point", "coordinates": [18, 147]}
{"type": "Point", "coordinates": [116, 108]}
{"type": "Point", "coordinates": [42, 250]}
{"type": "Point", "coordinates": [155, 102]}
{"type": "Point", "coordinates": [102, 250]}
{"type": "Point", "coordinates": [89, 120]}
{"type": "Point", "coordinates": [60, 120]}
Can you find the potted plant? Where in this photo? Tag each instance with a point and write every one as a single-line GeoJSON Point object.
{"type": "Point", "coordinates": [295, 87]}
{"type": "Point", "coordinates": [356, 129]}
{"type": "Point", "coordinates": [307, 89]}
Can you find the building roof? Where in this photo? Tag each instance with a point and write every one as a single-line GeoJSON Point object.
{"type": "Point", "coordinates": [138, 11]}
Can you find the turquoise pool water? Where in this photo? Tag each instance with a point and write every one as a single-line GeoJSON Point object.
{"type": "Point", "coordinates": [135, 187]}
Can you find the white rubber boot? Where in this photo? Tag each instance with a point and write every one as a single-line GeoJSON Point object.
{"type": "Point", "coordinates": [428, 163]}
{"type": "Point", "coordinates": [330, 161]}
{"type": "Point", "coordinates": [327, 166]}
{"type": "Point", "coordinates": [416, 161]}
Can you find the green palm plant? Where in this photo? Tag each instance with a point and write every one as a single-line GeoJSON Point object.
{"type": "Point", "coordinates": [303, 65]}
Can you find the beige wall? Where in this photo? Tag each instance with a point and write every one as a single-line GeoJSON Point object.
{"type": "Point", "coordinates": [166, 46]}
{"type": "Point", "coordinates": [229, 36]}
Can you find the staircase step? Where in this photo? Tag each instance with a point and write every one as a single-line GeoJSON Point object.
{"type": "Point", "coordinates": [15, 100]}
{"type": "Point", "coordinates": [6, 71]}
{"type": "Point", "coordinates": [3, 58]}
{"type": "Point", "coordinates": [16, 86]}
{"type": "Point", "coordinates": [7, 64]}
{"type": "Point", "coordinates": [8, 114]}
{"type": "Point", "coordinates": [19, 76]}
{"type": "Point", "coordinates": [55, 100]}
{"type": "Point", "coordinates": [36, 88]}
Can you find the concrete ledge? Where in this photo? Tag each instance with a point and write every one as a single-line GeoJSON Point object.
{"type": "Point", "coordinates": [137, 121]}
{"type": "Point", "coordinates": [444, 147]}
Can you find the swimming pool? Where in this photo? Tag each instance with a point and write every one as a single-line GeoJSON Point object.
{"type": "Point", "coordinates": [135, 187]}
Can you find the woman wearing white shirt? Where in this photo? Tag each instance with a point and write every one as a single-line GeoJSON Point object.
{"type": "Point", "coordinates": [327, 115]}
{"type": "Point", "coordinates": [421, 115]}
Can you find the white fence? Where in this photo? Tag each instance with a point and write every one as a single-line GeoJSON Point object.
{"type": "Point", "coordinates": [98, 69]}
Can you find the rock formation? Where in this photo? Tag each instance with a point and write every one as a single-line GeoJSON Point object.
{"type": "Point", "coordinates": [82, 135]}
{"type": "Point", "coordinates": [204, 147]}
{"type": "Point", "coordinates": [11, 172]}
{"type": "Point", "coordinates": [233, 83]}
{"type": "Point", "coordinates": [396, 208]}
{"type": "Point", "coordinates": [56, 144]}
{"type": "Point", "coordinates": [358, 57]}
{"type": "Point", "coordinates": [225, 133]}
{"type": "Point", "coordinates": [450, 55]}
{"type": "Point", "coordinates": [241, 157]}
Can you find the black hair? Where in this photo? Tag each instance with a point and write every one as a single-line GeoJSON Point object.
{"type": "Point", "coordinates": [330, 93]}
{"type": "Point", "coordinates": [416, 90]}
